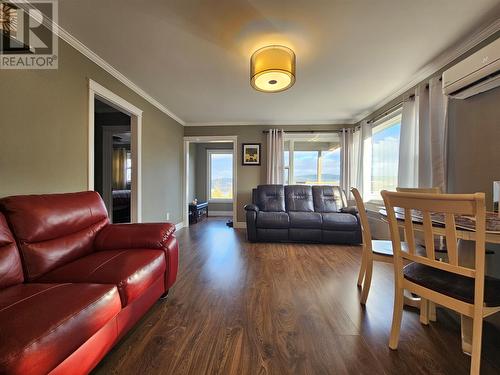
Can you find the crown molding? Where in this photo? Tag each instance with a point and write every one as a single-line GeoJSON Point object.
{"type": "Point", "coordinates": [437, 64]}
{"type": "Point", "coordinates": [272, 123]}
{"type": "Point", "coordinates": [95, 58]}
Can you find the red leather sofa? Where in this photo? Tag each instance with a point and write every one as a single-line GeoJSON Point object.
{"type": "Point", "coordinates": [71, 283]}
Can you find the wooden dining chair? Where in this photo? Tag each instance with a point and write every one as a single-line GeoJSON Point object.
{"type": "Point", "coordinates": [435, 190]}
{"type": "Point", "coordinates": [373, 250]}
{"type": "Point", "coordinates": [450, 283]}
{"type": "Point", "coordinates": [439, 244]}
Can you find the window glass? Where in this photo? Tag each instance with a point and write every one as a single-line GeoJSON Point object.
{"type": "Point", "coordinates": [385, 156]}
{"type": "Point", "coordinates": [221, 174]}
{"type": "Point", "coordinates": [330, 167]}
{"type": "Point", "coordinates": [305, 167]}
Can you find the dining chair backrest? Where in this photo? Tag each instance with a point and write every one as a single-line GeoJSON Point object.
{"type": "Point", "coordinates": [363, 218]}
{"type": "Point", "coordinates": [435, 190]}
{"type": "Point", "coordinates": [443, 208]}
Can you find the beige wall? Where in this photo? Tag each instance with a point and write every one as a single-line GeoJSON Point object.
{"type": "Point", "coordinates": [43, 135]}
{"type": "Point", "coordinates": [249, 176]}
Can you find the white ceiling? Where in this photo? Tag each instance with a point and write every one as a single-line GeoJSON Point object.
{"type": "Point", "coordinates": [192, 56]}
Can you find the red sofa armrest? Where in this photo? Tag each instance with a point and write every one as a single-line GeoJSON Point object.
{"type": "Point", "coordinates": [143, 236]}
{"type": "Point", "coordinates": [134, 236]}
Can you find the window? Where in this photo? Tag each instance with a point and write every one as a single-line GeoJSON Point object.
{"type": "Point", "coordinates": [220, 175]}
{"type": "Point", "coordinates": [385, 155]}
{"type": "Point", "coordinates": [312, 160]}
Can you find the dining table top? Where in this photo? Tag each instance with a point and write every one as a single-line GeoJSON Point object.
{"type": "Point", "coordinates": [465, 225]}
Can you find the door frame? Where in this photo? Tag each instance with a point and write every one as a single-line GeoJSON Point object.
{"type": "Point", "coordinates": [208, 139]}
{"type": "Point", "coordinates": [100, 92]}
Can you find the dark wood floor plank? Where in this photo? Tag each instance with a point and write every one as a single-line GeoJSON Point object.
{"type": "Point", "coordinates": [242, 308]}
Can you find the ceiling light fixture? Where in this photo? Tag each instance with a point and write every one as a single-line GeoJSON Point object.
{"type": "Point", "coordinates": [272, 69]}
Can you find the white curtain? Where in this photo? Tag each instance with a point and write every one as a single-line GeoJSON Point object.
{"type": "Point", "coordinates": [408, 166]}
{"type": "Point", "coordinates": [275, 156]}
{"type": "Point", "coordinates": [361, 155]}
{"type": "Point", "coordinates": [433, 123]}
{"type": "Point", "coordinates": [438, 113]}
{"type": "Point", "coordinates": [424, 135]}
{"type": "Point", "coordinates": [345, 162]}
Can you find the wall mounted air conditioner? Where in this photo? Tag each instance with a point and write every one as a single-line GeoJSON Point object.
{"type": "Point", "coordinates": [477, 73]}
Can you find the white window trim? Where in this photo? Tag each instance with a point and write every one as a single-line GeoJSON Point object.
{"type": "Point", "coordinates": [210, 152]}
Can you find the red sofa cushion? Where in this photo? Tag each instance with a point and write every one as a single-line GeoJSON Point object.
{"type": "Point", "coordinates": [132, 271]}
{"type": "Point", "coordinates": [42, 324]}
{"type": "Point", "coordinates": [11, 271]}
{"type": "Point", "coordinates": [54, 229]}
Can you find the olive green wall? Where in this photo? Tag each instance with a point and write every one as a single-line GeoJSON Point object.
{"type": "Point", "coordinates": [249, 176]}
{"type": "Point", "coordinates": [43, 135]}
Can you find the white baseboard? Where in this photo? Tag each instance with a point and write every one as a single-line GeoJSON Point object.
{"type": "Point", "coordinates": [240, 225]}
{"type": "Point", "coordinates": [220, 213]}
{"type": "Point", "coordinates": [179, 225]}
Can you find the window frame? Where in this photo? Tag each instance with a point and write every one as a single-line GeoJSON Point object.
{"type": "Point", "coordinates": [211, 152]}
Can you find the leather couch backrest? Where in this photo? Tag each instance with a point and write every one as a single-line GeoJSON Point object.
{"type": "Point", "coordinates": [54, 229]}
{"type": "Point", "coordinates": [299, 198]}
{"type": "Point", "coordinates": [11, 270]}
{"type": "Point", "coordinates": [328, 198]}
{"type": "Point", "coordinates": [270, 198]}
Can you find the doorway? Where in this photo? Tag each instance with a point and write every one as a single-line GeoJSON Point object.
{"type": "Point", "coordinates": [114, 163]}
{"type": "Point", "coordinates": [210, 176]}
{"type": "Point", "coordinates": [113, 160]}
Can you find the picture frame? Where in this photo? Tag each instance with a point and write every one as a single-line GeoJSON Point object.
{"type": "Point", "coordinates": [250, 153]}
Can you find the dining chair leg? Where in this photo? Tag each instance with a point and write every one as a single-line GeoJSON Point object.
{"type": "Point", "coordinates": [397, 315]}
{"type": "Point", "coordinates": [477, 333]}
{"type": "Point", "coordinates": [368, 280]}
{"type": "Point", "coordinates": [432, 312]}
{"type": "Point", "coordinates": [362, 268]}
{"type": "Point", "coordinates": [424, 311]}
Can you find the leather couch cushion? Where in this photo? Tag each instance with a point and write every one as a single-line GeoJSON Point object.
{"type": "Point", "coordinates": [305, 220]}
{"type": "Point", "coordinates": [42, 324]}
{"type": "Point", "coordinates": [54, 229]}
{"type": "Point", "coordinates": [11, 271]}
{"type": "Point", "coordinates": [270, 198]}
{"type": "Point", "coordinates": [132, 271]}
{"type": "Point", "coordinates": [340, 222]}
{"type": "Point", "coordinates": [299, 198]}
{"type": "Point", "coordinates": [272, 220]}
{"type": "Point", "coordinates": [327, 198]}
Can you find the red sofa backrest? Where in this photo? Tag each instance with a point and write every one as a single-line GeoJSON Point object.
{"type": "Point", "coordinates": [54, 229]}
{"type": "Point", "coordinates": [11, 271]}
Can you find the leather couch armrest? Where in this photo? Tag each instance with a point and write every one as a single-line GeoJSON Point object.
{"type": "Point", "coordinates": [349, 210]}
{"type": "Point", "coordinates": [134, 236]}
{"type": "Point", "coordinates": [251, 207]}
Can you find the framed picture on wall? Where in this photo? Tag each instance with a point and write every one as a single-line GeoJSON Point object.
{"type": "Point", "coordinates": [250, 154]}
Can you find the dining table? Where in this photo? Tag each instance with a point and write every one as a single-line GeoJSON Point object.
{"type": "Point", "coordinates": [466, 237]}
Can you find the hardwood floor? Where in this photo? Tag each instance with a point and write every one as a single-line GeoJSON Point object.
{"type": "Point", "coordinates": [242, 308]}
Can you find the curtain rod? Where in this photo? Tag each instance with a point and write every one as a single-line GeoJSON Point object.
{"type": "Point", "coordinates": [390, 110]}
{"type": "Point", "coordinates": [308, 131]}
{"type": "Point", "coordinates": [386, 112]}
